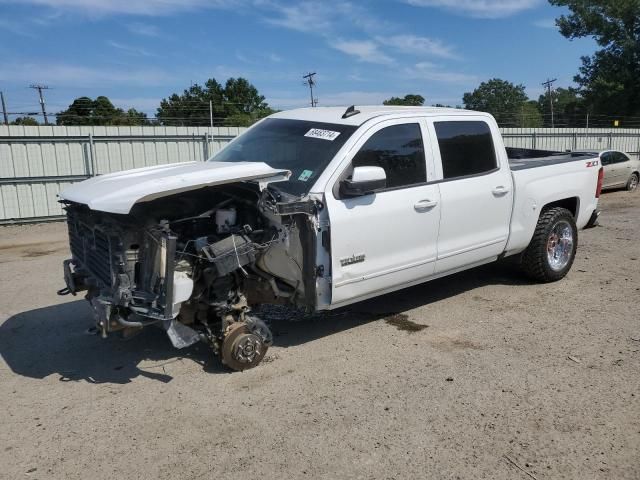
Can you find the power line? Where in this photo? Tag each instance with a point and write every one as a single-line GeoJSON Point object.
{"type": "Point", "coordinates": [40, 88]}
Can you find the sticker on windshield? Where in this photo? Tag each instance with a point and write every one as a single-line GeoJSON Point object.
{"type": "Point", "coordinates": [305, 175]}
{"type": "Point", "coordinates": [322, 134]}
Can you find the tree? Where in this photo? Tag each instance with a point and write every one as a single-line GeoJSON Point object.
{"type": "Point", "coordinates": [500, 98]}
{"type": "Point", "coordinates": [238, 103]}
{"type": "Point", "coordinates": [78, 113]}
{"type": "Point", "coordinates": [412, 100]}
{"type": "Point", "coordinates": [530, 116]}
{"type": "Point", "coordinates": [568, 107]}
{"type": "Point", "coordinates": [609, 80]}
{"type": "Point", "coordinates": [26, 121]}
{"type": "Point", "coordinates": [133, 117]}
{"type": "Point", "coordinates": [85, 111]}
{"type": "Point", "coordinates": [105, 112]}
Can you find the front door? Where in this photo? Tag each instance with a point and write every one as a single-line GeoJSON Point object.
{"type": "Point", "coordinates": [388, 238]}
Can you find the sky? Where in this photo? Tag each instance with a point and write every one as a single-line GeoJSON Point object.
{"type": "Point", "coordinates": [137, 52]}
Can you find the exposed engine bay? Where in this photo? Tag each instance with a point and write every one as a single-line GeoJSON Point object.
{"type": "Point", "coordinates": [195, 263]}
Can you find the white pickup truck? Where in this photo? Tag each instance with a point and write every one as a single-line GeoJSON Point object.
{"type": "Point", "coordinates": [318, 208]}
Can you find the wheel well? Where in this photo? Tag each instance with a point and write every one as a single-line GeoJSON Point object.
{"type": "Point", "coordinates": [570, 204]}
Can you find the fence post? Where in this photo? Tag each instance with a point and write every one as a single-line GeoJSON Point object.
{"type": "Point", "coordinates": [610, 140]}
{"type": "Point", "coordinates": [575, 141]}
{"type": "Point", "coordinates": [86, 153]}
{"type": "Point", "coordinates": [205, 147]}
{"type": "Point", "coordinates": [92, 155]}
{"type": "Point", "coordinates": [533, 140]}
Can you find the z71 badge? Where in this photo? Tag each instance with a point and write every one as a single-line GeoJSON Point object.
{"type": "Point", "coordinates": [593, 163]}
{"type": "Point", "coordinates": [352, 259]}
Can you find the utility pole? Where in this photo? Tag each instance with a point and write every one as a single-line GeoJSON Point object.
{"type": "Point", "coordinates": [44, 111]}
{"type": "Point", "coordinates": [548, 84]}
{"type": "Point", "coordinates": [4, 109]}
{"type": "Point", "coordinates": [311, 82]}
{"type": "Point", "coordinates": [210, 113]}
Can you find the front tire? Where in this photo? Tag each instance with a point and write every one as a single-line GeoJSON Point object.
{"type": "Point", "coordinates": [552, 249]}
{"type": "Point", "coordinates": [632, 184]}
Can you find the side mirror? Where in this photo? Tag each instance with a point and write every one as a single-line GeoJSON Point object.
{"type": "Point", "coordinates": [363, 181]}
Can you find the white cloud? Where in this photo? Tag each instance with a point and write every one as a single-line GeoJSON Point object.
{"type": "Point", "coordinates": [418, 45]}
{"type": "Point", "coordinates": [308, 17]}
{"type": "Point", "coordinates": [66, 75]}
{"type": "Point", "coordinates": [480, 8]}
{"type": "Point", "coordinates": [363, 50]}
{"type": "Point", "coordinates": [328, 99]}
{"type": "Point", "coordinates": [16, 28]}
{"type": "Point", "coordinates": [321, 17]}
{"type": "Point", "coordinates": [131, 50]}
{"type": "Point", "coordinates": [144, 29]}
{"type": "Point", "coordinates": [431, 72]}
{"type": "Point", "coordinates": [259, 58]}
{"type": "Point", "coordinates": [132, 7]}
{"type": "Point", "coordinates": [357, 77]}
{"type": "Point", "coordinates": [545, 23]}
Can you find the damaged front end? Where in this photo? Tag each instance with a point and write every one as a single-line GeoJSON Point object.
{"type": "Point", "coordinates": [195, 263]}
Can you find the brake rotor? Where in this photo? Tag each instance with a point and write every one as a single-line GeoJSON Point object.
{"type": "Point", "coordinates": [242, 349]}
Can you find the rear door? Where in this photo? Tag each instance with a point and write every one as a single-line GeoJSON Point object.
{"type": "Point", "coordinates": [388, 238]}
{"type": "Point", "coordinates": [618, 170]}
{"type": "Point", "coordinates": [609, 170]}
{"type": "Point", "coordinates": [624, 166]}
{"type": "Point", "coordinates": [475, 192]}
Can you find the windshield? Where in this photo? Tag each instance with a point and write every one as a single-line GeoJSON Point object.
{"type": "Point", "coordinates": [305, 148]}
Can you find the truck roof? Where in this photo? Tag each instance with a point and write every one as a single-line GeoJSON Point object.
{"type": "Point", "coordinates": [366, 112]}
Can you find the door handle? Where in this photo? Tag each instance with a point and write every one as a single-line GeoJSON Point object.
{"type": "Point", "coordinates": [500, 190]}
{"type": "Point", "coordinates": [425, 204]}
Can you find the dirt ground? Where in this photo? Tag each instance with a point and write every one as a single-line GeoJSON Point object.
{"type": "Point", "coordinates": [479, 375]}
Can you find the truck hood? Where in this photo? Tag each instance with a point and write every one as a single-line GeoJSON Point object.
{"type": "Point", "coordinates": [118, 192]}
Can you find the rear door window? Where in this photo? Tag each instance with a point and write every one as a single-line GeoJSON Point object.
{"type": "Point", "coordinates": [619, 157]}
{"type": "Point", "coordinates": [466, 148]}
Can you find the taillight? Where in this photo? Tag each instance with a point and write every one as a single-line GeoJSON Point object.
{"type": "Point", "coordinates": [600, 179]}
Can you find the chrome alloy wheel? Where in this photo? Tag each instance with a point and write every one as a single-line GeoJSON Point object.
{"type": "Point", "coordinates": [560, 246]}
{"type": "Point", "coordinates": [633, 183]}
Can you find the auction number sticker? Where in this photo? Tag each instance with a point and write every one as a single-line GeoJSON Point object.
{"type": "Point", "coordinates": [322, 134]}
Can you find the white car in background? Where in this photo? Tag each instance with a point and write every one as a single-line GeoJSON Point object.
{"type": "Point", "coordinates": [620, 170]}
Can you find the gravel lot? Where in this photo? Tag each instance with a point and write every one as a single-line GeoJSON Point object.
{"type": "Point", "coordinates": [508, 379]}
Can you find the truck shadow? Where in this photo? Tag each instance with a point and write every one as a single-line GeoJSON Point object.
{"type": "Point", "coordinates": [55, 340]}
{"type": "Point", "coordinates": [290, 330]}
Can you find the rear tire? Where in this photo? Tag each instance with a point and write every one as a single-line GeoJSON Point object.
{"type": "Point", "coordinates": [552, 249]}
{"type": "Point", "coordinates": [632, 184]}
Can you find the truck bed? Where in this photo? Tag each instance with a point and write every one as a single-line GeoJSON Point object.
{"type": "Point", "coordinates": [523, 158]}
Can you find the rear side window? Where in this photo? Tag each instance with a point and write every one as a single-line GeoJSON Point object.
{"type": "Point", "coordinates": [399, 151]}
{"type": "Point", "coordinates": [466, 148]}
